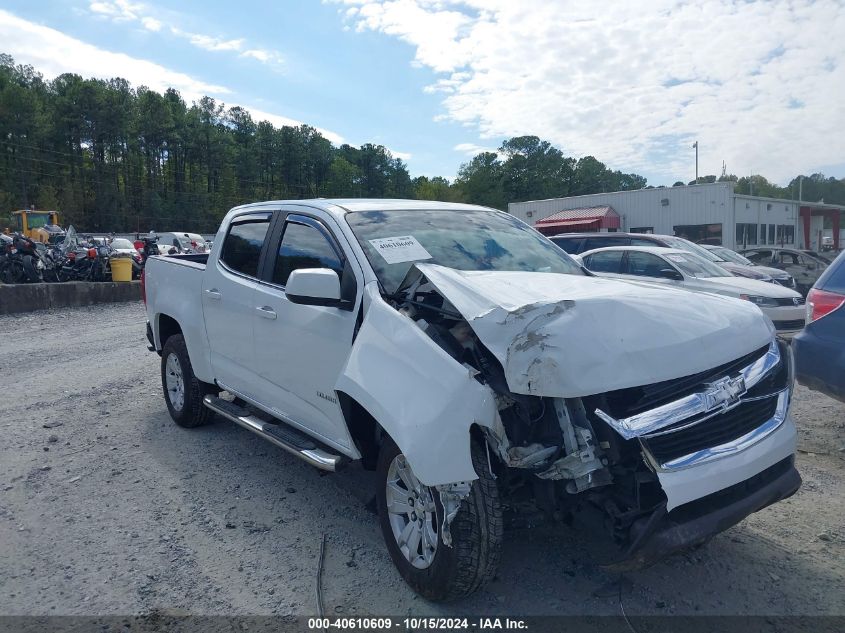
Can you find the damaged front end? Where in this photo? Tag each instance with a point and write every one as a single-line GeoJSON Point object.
{"type": "Point", "coordinates": [585, 413]}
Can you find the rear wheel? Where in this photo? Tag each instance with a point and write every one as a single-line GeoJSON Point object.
{"type": "Point", "coordinates": [30, 267]}
{"type": "Point", "coordinates": [411, 518]}
{"type": "Point", "coordinates": [183, 392]}
{"type": "Point", "coordinates": [13, 272]}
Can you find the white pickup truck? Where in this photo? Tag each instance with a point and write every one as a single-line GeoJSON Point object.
{"type": "Point", "coordinates": [474, 365]}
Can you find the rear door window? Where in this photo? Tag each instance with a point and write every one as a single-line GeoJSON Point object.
{"type": "Point", "coordinates": [645, 264]}
{"type": "Point", "coordinates": [606, 262]}
{"type": "Point", "coordinates": [243, 243]}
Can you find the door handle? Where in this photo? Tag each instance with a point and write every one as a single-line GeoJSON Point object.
{"type": "Point", "coordinates": [214, 293]}
{"type": "Point", "coordinates": [267, 312]}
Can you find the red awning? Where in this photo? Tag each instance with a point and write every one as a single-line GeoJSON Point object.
{"type": "Point", "coordinates": [570, 223]}
{"type": "Point", "coordinates": [580, 219]}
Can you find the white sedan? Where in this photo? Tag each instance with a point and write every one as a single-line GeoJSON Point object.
{"type": "Point", "coordinates": [122, 245]}
{"type": "Point", "coordinates": [674, 267]}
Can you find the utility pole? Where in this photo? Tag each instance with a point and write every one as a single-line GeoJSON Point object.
{"type": "Point", "coordinates": [695, 145]}
{"type": "Point", "coordinates": [800, 188]}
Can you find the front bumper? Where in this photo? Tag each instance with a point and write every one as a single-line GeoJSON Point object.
{"type": "Point", "coordinates": [665, 533]}
{"type": "Point", "coordinates": [788, 320]}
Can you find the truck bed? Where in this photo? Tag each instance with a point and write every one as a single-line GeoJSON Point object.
{"type": "Point", "coordinates": [195, 260]}
{"type": "Point", "coordinates": [174, 290]}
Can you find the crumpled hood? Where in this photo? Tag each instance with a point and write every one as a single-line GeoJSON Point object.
{"type": "Point", "coordinates": [568, 336]}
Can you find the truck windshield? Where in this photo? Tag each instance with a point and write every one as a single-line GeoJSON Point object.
{"type": "Point", "coordinates": [464, 240]}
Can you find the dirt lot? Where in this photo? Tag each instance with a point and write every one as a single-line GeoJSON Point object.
{"type": "Point", "coordinates": [106, 507]}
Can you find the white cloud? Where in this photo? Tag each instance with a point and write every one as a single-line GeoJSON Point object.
{"type": "Point", "coordinates": [280, 121]}
{"type": "Point", "coordinates": [151, 24]}
{"type": "Point", "coordinates": [119, 10]}
{"type": "Point", "coordinates": [125, 11]}
{"type": "Point", "coordinates": [53, 53]}
{"type": "Point", "coordinates": [208, 43]}
{"type": "Point", "coordinates": [403, 156]}
{"type": "Point", "coordinates": [760, 84]}
{"type": "Point", "coordinates": [471, 149]}
{"type": "Point", "coordinates": [268, 57]}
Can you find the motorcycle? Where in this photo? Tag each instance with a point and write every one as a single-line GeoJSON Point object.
{"type": "Point", "coordinates": [5, 240]}
{"type": "Point", "coordinates": [81, 261]}
{"type": "Point", "coordinates": [148, 247]}
{"type": "Point", "coordinates": [22, 262]}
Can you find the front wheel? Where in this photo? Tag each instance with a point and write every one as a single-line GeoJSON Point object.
{"type": "Point", "coordinates": [411, 518]}
{"type": "Point", "coordinates": [183, 392]}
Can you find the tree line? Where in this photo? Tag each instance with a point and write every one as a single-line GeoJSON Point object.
{"type": "Point", "coordinates": [112, 157]}
{"type": "Point", "coordinates": [813, 188]}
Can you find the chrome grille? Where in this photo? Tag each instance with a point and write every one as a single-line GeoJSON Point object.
{"type": "Point", "coordinates": [717, 430]}
{"type": "Point", "coordinates": [721, 417]}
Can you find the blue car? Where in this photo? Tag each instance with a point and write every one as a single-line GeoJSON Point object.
{"type": "Point", "coordinates": [820, 348]}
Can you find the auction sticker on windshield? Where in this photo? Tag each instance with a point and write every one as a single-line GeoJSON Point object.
{"type": "Point", "coordinates": [676, 258]}
{"type": "Point", "coordinates": [397, 250]}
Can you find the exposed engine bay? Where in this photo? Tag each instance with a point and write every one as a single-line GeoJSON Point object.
{"type": "Point", "coordinates": [547, 451]}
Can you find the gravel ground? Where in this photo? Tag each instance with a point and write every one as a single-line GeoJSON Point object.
{"type": "Point", "coordinates": [107, 507]}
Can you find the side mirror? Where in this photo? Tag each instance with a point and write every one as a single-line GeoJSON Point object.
{"type": "Point", "coordinates": [314, 287]}
{"type": "Point", "coordinates": [671, 273]}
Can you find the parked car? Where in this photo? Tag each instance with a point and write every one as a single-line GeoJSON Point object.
{"type": "Point", "coordinates": [804, 268]}
{"type": "Point", "coordinates": [820, 348]}
{"type": "Point", "coordinates": [827, 258]}
{"type": "Point", "coordinates": [582, 242]}
{"type": "Point", "coordinates": [680, 268]}
{"type": "Point", "coordinates": [471, 363]}
{"type": "Point", "coordinates": [724, 254]}
{"type": "Point", "coordinates": [187, 242]}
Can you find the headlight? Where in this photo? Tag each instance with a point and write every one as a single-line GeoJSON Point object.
{"type": "Point", "coordinates": [764, 302]}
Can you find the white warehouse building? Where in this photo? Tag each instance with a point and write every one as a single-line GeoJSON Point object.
{"type": "Point", "coordinates": [708, 213]}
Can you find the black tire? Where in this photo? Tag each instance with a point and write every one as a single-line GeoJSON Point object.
{"type": "Point", "coordinates": [33, 275]}
{"type": "Point", "coordinates": [13, 272]}
{"type": "Point", "coordinates": [192, 412]}
{"type": "Point", "coordinates": [477, 533]}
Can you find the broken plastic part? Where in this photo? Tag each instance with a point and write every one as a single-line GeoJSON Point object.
{"type": "Point", "coordinates": [528, 456]}
{"type": "Point", "coordinates": [451, 496]}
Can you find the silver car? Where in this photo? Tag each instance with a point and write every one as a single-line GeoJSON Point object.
{"type": "Point", "coordinates": [725, 254]}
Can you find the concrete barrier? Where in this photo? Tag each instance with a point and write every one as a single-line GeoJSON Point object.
{"type": "Point", "coordinates": [29, 297]}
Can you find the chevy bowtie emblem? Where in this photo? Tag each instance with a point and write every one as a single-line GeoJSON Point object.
{"type": "Point", "coordinates": [723, 393]}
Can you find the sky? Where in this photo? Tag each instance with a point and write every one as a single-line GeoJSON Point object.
{"type": "Point", "coordinates": [759, 84]}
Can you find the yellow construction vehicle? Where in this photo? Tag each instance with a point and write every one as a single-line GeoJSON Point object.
{"type": "Point", "coordinates": [41, 226]}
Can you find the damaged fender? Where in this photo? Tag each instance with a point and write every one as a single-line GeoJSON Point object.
{"type": "Point", "coordinates": [420, 395]}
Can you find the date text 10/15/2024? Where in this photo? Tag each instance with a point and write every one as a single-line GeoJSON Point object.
{"type": "Point", "coordinates": [416, 624]}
